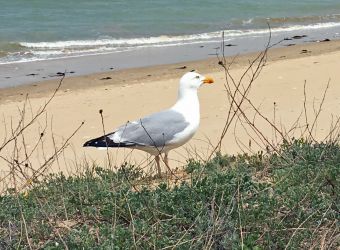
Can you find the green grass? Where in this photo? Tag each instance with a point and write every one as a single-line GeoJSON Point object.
{"type": "Point", "coordinates": [265, 201]}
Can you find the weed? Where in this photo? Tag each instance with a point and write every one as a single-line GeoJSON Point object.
{"type": "Point", "coordinates": [286, 200]}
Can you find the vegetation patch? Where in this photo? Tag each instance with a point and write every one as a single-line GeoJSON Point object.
{"type": "Point", "coordinates": [287, 199]}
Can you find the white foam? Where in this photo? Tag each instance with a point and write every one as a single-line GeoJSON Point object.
{"type": "Point", "coordinates": [249, 21]}
{"type": "Point", "coordinates": [117, 42]}
{"type": "Point", "coordinates": [284, 29]}
{"type": "Point", "coordinates": [75, 48]}
{"type": "Point", "coordinates": [168, 40]}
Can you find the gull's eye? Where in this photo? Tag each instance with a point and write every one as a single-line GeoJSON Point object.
{"type": "Point", "coordinates": [197, 77]}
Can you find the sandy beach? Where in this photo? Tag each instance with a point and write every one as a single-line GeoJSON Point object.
{"type": "Point", "coordinates": [132, 93]}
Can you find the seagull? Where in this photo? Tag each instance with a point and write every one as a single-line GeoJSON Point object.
{"type": "Point", "coordinates": [163, 131]}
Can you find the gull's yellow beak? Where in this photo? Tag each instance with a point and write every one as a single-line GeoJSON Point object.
{"type": "Point", "coordinates": [208, 80]}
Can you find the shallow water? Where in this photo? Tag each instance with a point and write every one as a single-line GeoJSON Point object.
{"type": "Point", "coordinates": [45, 29]}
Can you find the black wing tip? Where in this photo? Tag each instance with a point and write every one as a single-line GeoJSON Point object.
{"type": "Point", "coordinates": [87, 144]}
{"type": "Point", "coordinates": [104, 142]}
{"type": "Point", "coordinates": [92, 143]}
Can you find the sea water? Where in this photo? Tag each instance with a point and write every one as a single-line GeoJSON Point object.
{"type": "Point", "coordinates": [45, 29]}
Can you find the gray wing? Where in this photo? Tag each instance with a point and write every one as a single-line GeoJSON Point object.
{"type": "Point", "coordinates": [155, 130]}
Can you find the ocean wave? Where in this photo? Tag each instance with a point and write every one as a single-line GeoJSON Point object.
{"type": "Point", "coordinates": [120, 41]}
{"type": "Point", "coordinates": [305, 19]}
{"type": "Point", "coordinates": [282, 29]}
{"type": "Point", "coordinates": [167, 40]}
{"type": "Point", "coordinates": [33, 51]}
{"type": "Point", "coordinates": [289, 20]}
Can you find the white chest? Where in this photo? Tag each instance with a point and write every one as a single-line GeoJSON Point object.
{"type": "Point", "coordinates": [189, 108]}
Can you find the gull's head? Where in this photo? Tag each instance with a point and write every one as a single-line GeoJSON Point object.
{"type": "Point", "coordinates": [193, 80]}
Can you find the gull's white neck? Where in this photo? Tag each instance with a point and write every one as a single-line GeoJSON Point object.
{"type": "Point", "coordinates": [188, 104]}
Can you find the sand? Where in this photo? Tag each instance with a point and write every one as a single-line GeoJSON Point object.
{"type": "Point", "coordinates": [130, 94]}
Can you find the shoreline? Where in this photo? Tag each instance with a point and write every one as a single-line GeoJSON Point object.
{"type": "Point", "coordinates": [14, 74]}
{"type": "Point", "coordinates": [163, 71]}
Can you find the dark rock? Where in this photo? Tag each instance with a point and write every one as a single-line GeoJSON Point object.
{"type": "Point", "coordinates": [183, 67]}
{"type": "Point", "coordinates": [230, 45]}
{"type": "Point", "coordinates": [325, 40]}
{"type": "Point", "coordinates": [106, 78]}
{"type": "Point", "coordinates": [299, 37]}
{"type": "Point", "coordinates": [32, 74]}
{"type": "Point", "coordinates": [57, 74]}
{"type": "Point", "coordinates": [305, 51]}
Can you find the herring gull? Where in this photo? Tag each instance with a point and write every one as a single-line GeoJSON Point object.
{"type": "Point", "coordinates": [162, 131]}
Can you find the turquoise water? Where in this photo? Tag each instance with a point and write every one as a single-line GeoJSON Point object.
{"type": "Point", "coordinates": [45, 29]}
